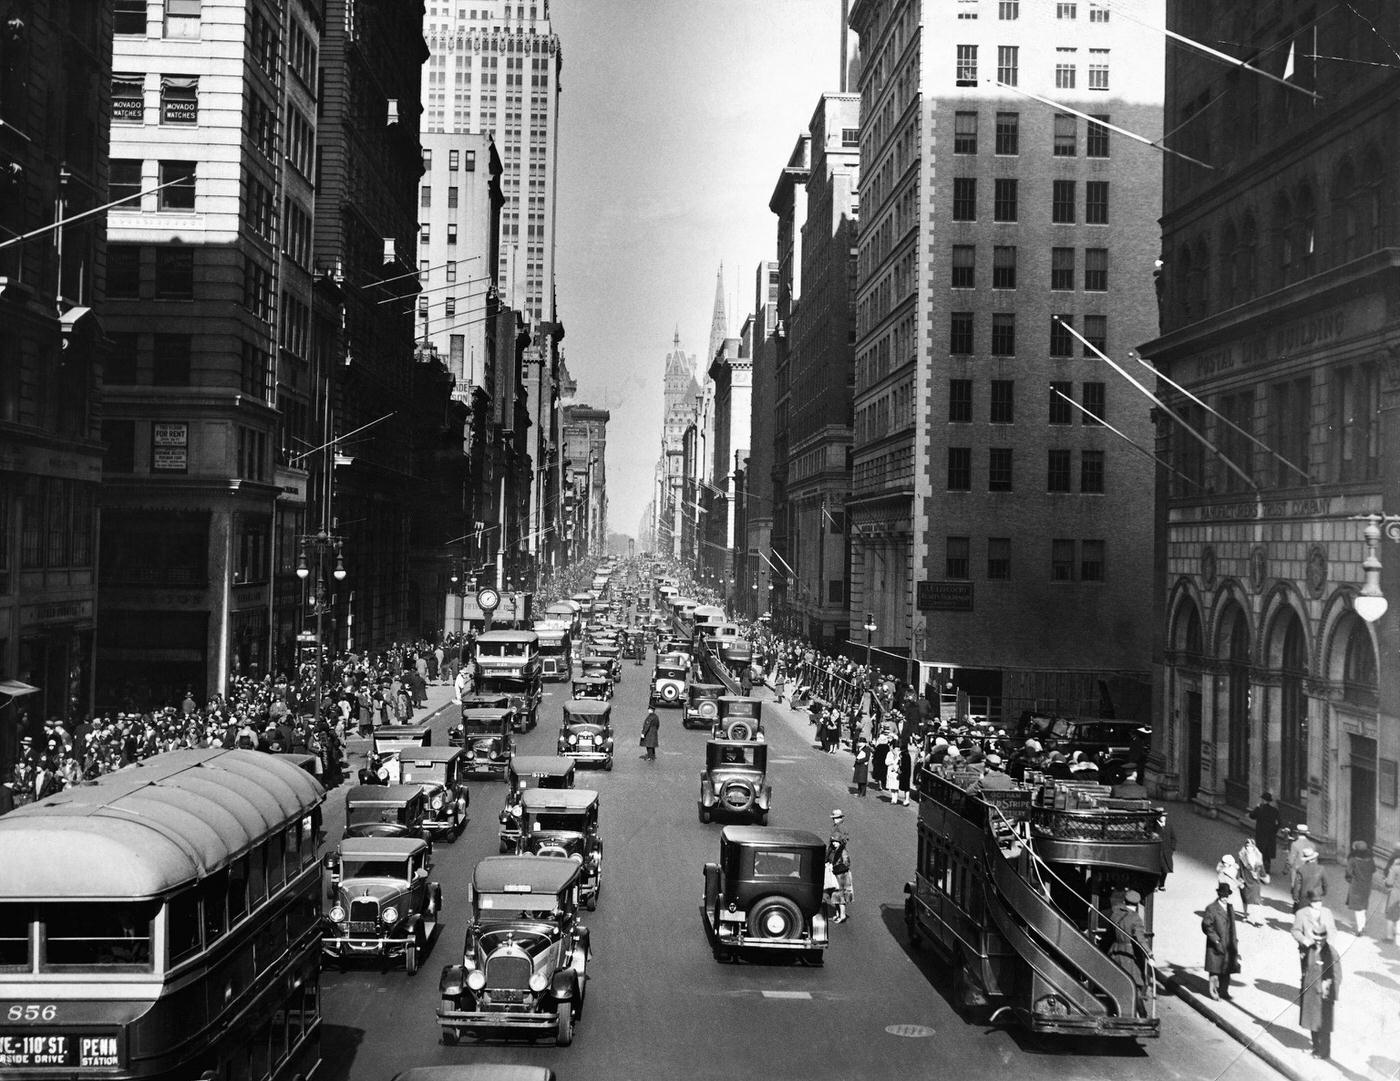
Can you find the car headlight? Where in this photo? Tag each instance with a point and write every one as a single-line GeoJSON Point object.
{"type": "Point", "coordinates": [438, 802]}
{"type": "Point", "coordinates": [337, 914]}
{"type": "Point", "coordinates": [573, 738]}
{"type": "Point", "coordinates": [476, 979]}
{"type": "Point", "coordinates": [516, 810]}
{"type": "Point", "coordinates": [538, 982]}
{"type": "Point", "coordinates": [391, 915]}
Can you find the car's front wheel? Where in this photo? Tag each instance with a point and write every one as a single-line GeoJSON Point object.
{"type": "Point", "coordinates": [565, 1033]}
{"type": "Point", "coordinates": [410, 956]}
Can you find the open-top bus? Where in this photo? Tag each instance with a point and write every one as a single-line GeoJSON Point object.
{"type": "Point", "coordinates": [164, 922]}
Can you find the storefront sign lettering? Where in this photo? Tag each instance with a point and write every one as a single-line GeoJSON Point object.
{"type": "Point", "coordinates": [1273, 344]}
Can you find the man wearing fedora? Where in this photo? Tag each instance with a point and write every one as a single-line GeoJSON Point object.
{"type": "Point", "coordinates": [1128, 948]}
{"type": "Point", "coordinates": [1222, 945]}
{"type": "Point", "coordinates": [1308, 878]}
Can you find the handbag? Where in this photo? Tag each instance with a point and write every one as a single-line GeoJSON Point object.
{"type": "Point", "coordinates": [829, 879]}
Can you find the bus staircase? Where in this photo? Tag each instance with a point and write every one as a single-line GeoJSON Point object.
{"type": "Point", "coordinates": [1064, 962]}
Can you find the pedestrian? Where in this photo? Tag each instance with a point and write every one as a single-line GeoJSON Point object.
{"type": "Point", "coordinates": [651, 735]}
{"type": "Point", "coordinates": [1301, 840]}
{"type": "Point", "coordinates": [1361, 868]}
{"type": "Point", "coordinates": [746, 681]}
{"type": "Point", "coordinates": [907, 755]}
{"type": "Point", "coordinates": [1251, 867]}
{"type": "Point", "coordinates": [860, 772]}
{"type": "Point", "coordinates": [839, 863]}
{"type": "Point", "coordinates": [1129, 787]}
{"type": "Point", "coordinates": [1222, 945]}
{"type": "Point", "coordinates": [1128, 947]}
{"type": "Point", "coordinates": [1322, 978]}
{"type": "Point", "coordinates": [1312, 919]}
{"type": "Point", "coordinates": [1308, 878]}
{"type": "Point", "coordinates": [1391, 881]}
{"type": "Point", "coordinates": [880, 760]}
{"type": "Point", "coordinates": [1266, 830]}
{"type": "Point", "coordinates": [1227, 872]}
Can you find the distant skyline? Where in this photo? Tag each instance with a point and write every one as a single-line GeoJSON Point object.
{"type": "Point", "coordinates": [676, 117]}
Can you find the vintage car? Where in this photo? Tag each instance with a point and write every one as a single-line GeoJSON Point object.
{"type": "Point", "coordinates": [488, 740]}
{"type": "Point", "coordinates": [634, 646]}
{"type": "Point", "coordinates": [734, 781]}
{"type": "Point", "coordinates": [564, 822]}
{"type": "Point", "coordinates": [740, 718]}
{"type": "Point", "coordinates": [382, 902]}
{"type": "Point", "coordinates": [1111, 744]}
{"type": "Point", "coordinates": [394, 810]}
{"type": "Point", "coordinates": [765, 894]}
{"type": "Point", "coordinates": [593, 666]}
{"type": "Point", "coordinates": [525, 959]}
{"type": "Point", "coordinates": [702, 705]}
{"type": "Point", "coordinates": [669, 680]}
{"type": "Point", "coordinates": [439, 772]}
{"type": "Point", "coordinates": [586, 734]}
{"type": "Point", "coordinates": [608, 650]}
{"type": "Point", "coordinates": [525, 772]}
{"type": "Point", "coordinates": [390, 739]}
{"type": "Point", "coordinates": [597, 688]}
{"type": "Point", "coordinates": [478, 700]}
{"type": "Point", "coordinates": [736, 654]}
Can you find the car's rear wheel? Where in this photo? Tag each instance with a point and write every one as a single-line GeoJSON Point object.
{"type": "Point", "coordinates": [775, 917]}
{"type": "Point", "coordinates": [565, 1033]}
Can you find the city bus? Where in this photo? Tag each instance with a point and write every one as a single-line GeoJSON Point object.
{"type": "Point", "coordinates": [163, 922]}
{"type": "Point", "coordinates": [556, 650]}
{"type": "Point", "coordinates": [508, 662]}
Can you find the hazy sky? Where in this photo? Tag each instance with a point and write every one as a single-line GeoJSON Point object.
{"type": "Point", "coordinates": [676, 117]}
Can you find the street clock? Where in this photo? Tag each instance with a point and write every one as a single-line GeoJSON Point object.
{"type": "Point", "coordinates": [488, 599]}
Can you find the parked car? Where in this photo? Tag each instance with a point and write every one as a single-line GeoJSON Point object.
{"type": "Point", "coordinates": [383, 905]}
{"type": "Point", "coordinates": [564, 822]}
{"type": "Point", "coordinates": [702, 705]}
{"type": "Point", "coordinates": [669, 680]}
{"type": "Point", "coordinates": [439, 773]}
{"type": "Point", "coordinates": [735, 780]}
{"type": "Point", "coordinates": [525, 957]}
{"type": "Point", "coordinates": [765, 894]}
{"type": "Point", "coordinates": [488, 740]}
{"type": "Point", "coordinates": [394, 810]}
{"type": "Point", "coordinates": [586, 734]}
{"type": "Point", "coordinates": [526, 772]}
{"type": "Point", "coordinates": [740, 718]}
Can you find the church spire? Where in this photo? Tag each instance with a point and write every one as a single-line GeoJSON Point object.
{"type": "Point", "coordinates": [719, 325]}
{"type": "Point", "coordinates": [676, 341]}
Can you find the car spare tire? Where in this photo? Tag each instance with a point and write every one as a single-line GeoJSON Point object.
{"type": "Point", "coordinates": [739, 730]}
{"type": "Point", "coordinates": [775, 917]}
{"type": "Point", "coordinates": [737, 797]}
{"type": "Point", "coordinates": [669, 692]}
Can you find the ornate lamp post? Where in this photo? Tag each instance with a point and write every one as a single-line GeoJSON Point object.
{"type": "Point", "coordinates": [322, 548]}
{"type": "Point", "coordinates": [870, 630]}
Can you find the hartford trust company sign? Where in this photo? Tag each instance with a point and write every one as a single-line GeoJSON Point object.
{"type": "Point", "coordinates": [1277, 343]}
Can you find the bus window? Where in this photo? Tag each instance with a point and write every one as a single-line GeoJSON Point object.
{"type": "Point", "coordinates": [293, 855]}
{"type": "Point", "coordinates": [275, 870]}
{"type": "Point", "coordinates": [257, 877]}
{"type": "Point", "coordinates": [237, 890]}
{"type": "Point", "coordinates": [15, 954]}
{"type": "Point", "coordinates": [213, 893]}
{"type": "Point", "coordinates": [260, 1064]}
{"type": "Point", "coordinates": [182, 924]}
{"type": "Point", "coordinates": [98, 935]}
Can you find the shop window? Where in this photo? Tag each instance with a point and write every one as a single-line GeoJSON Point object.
{"type": "Point", "coordinates": [179, 99]}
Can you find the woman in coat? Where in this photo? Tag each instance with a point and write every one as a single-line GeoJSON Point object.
{"type": "Point", "coordinates": [1251, 867]}
{"type": "Point", "coordinates": [1361, 868]}
{"type": "Point", "coordinates": [1391, 882]}
{"type": "Point", "coordinates": [906, 773]}
{"type": "Point", "coordinates": [1322, 977]}
{"type": "Point", "coordinates": [880, 760]}
{"type": "Point", "coordinates": [860, 772]}
{"type": "Point", "coordinates": [1222, 947]}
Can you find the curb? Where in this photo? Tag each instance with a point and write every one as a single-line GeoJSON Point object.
{"type": "Point", "coordinates": [1252, 1043]}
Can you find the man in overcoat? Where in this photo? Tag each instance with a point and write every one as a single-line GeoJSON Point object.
{"type": "Point", "coordinates": [1322, 977]}
{"type": "Point", "coordinates": [1222, 945]}
{"type": "Point", "coordinates": [651, 735]}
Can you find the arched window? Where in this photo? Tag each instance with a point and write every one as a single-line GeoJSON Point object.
{"type": "Point", "coordinates": [1293, 715]}
{"type": "Point", "coordinates": [1359, 663]}
{"type": "Point", "coordinates": [1282, 230]}
{"type": "Point", "coordinates": [1371, 206]}
{"type": "Point", "coordinates": [1248, 259]}
{"type": "Point", "coordinates": [1305, 231]}
{"type": "Point", "coordinates": [1193, 633]}
{"type": "Point", "coordinates": [1229, 242]}
{"type": "Point", "coordinates": [1237, 706]}
{"type": "Point", "coordinates": [1345, 237]}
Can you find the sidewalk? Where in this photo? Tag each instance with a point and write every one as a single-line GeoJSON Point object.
{"type": "Point", "coordinates": [1264, 1013]}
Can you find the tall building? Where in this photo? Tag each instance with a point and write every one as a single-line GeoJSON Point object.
{"type": "Point", "coordinates": [678, 413]}
{"type": "Point", "coordinates": [731, 374]}
{"type": "Point", "coordinates": [585, 434]}
{"type": "Point", "coordinates": [821, 339]}
{"type": "Point", "coordinates": [212, 384]}
{"type": "Point", "coordinates": [482, 53]}
{"type": "Point", "coordinates": [1000, 532]}
{"type": "Point", "coordinates": [55, 84]}
{"type": "Point", "coordinates": [755, 495]}
{"type": "Point", "coordinates": [1278, 313]}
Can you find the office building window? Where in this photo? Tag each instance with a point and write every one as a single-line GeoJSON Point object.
{"type": "Point", "coordinates": [452, 195]}
{"type": "Point", "coordinates": [967, 65]}
{"type": "Point", "coordinates": [999, 558]}
{"type": "Point", "coordinates": [1096, 333]}
{"type": "Point", "coordinates": [129, 97]}
{"type": "Point", "coordinates": [179, 99]}
{"type": "Point", "coordinates": [1064, 68]}
{"type": "Point", "coordinates": [850, 138]}
{"type": "Point", "coordinates": [1066, 135]}
{"type": "Point", "coordinates": [1008, 64]}
{"type": "Point", "coordinates": [1004, 199]}
{"type": "Point", "coordinates": [964, 266]}
{"type": "Point", "coordinates": [1061, 340]}
{"type": "Point", "coordinates": [1065, 11]}
{"type": "Point", "coordinates": [471, 161]}
{"type": "Point", "coordinates": [1095, 401]}
{"type": "Point", "coordinates": [449, 306]}
{"type": "Point", "coordinates": [1003, 401]}
{"type": "Point", "coordinates": [960, 340]}
{"type": "Point", "coordinates": [1091, 560]}
{"type": "Point", "coordinates": [965, 133]}
{"type": "Point", "coordinates": [427, 160]}
{"type": "Point", "coordinates": [454, 159]}
{"type": "Point", "coordinates": [122, 360]}
{"type": "Point", "coordinates": [1098, 11]}
{"type": "Point", "coordinates": [1061, 412]}
{"type": "Point", "coordinates": [1062, 202]}
{"type": "Point", "coordinates": [959, 469]}
{"type": "Point", "coordinates": [423, 232]}
{"type": "Point", "coordinates": [1096, 202]}
{"type": "Point", "coordinates": [1008, 140]}
{"type": "Point", "coordinates": [964, 198]}
{"type": "Point", "coordinates": [1057, 475]}
{"type": "Point", "coordinates": [423, 307]}
{"type": "Point", "coordinates": [182, 18]}
{"type": "Point", "coordinates": [1062, 268]}
{"type": "Point", "coordinates": [1091, 472]}
{"type": "Point", "coordinates": [452, 232]}
{"type": "Point", "coordinates": [124, 182]}
{"type": "Point", "coordinates": [1003, 334]}
{"type": "Point", "coordinates": [177, 180]}
{"type": "Point", "coordinates": [967, 9]}
{"type": "Point", "coordinates": [129, 17]}
{"type": "Point", "coordinates": [123, 271]}
{"type": "Point", "coordinates": [1062, 560]}
{"type": "Point", "coordinates": [1096, 138]}
{"type": "Point", "coordinates": [174, 273]}
{"type": "Point", "coordinates": [425, 196]}
{"type": "Point", "coordinates": [999, 469]}
{"type": "Point", "coordinates": [424, 271]}
{"type": "Point", "coordinates": [1096, 270]}
{"type": "Point", "coordinates": [452, 270]}
{"type": "Point", "coordinates": [960, 401]}
{"type": "Point", "coordinates": [1004, 266]}
{"type": "Point", "coordinates": [170, 361]}
{"type": "Point", "coordinates": [1098, 69]}
{"type": "Point", "coordinates": [957, 558]}
{"type": "Point", "coordinates": [1009, 10]}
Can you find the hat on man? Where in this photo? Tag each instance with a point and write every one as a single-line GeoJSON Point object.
{"type": "Point", "coordinates": [1358, 846]}
{"type": "Point", "coordinates": [993, 760]}
{"type": "Point", "coordinates": [1301, 827]}
{"type": "Point", "coordinates": [1132, 897]}
{"type": "Point", "coordinates": [838, 814]}
{"type": "Point", "coordinates": [1223, 889]}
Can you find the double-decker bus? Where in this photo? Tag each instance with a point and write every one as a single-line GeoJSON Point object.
{"type": "Point", "coordinates": [164, 922]}
{"type": "Point", "coordinates": [508, 662]}
{"type": "Point", "coordinates": [556, 650]}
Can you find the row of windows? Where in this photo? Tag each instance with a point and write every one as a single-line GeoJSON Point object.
{"type": "Point", "coordinates": [1009, 67]}
{"type": "Point", "coordinates": [1001, 472]}
{"type": "Point", "coordinates": [58, 521]}
{"type": "Point", "coordinates": [1071, 560]}
{"type": "Point", "coordinates": [962, 334]}
{"type": "Point", "coordinates": [1010, 10]}
{"type": "Point", "coordinates": [178, 98]}
{"type": "Point", "coordinates": [1002, 402]}
{"type": "Point", "coordinates": [1006, 196]}
{"type": "Point", "coordinates": [179, 18]}
{"type": "Point", "coordinates": [454, 160]}
{"type": "Point", "coordinates": [127, 180]}
{"type": "Point", "coordinates": [1007, 135]}
{"type": "Point", "coordinates": [1004, 268]}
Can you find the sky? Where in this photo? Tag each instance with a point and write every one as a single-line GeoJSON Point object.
{"type": "Point", "coordinates": [676, 117]}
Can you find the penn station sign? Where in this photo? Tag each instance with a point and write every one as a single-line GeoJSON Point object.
{"type": "Point", "coordinates": [1282, 341]}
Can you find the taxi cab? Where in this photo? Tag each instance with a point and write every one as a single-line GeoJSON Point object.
{"type": "Point", "coordinates": [586, 734]}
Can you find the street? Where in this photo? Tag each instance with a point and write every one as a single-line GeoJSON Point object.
{"type": "Point", "coordinates": [658, 1003]}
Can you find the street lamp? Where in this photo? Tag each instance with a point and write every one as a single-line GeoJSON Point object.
{"type": "Point", "coordinates": [1370, 603]}
{"type": "Point", "coordinates": [870, 630]}
{"type": "Point", "coordinates": [322, 548]}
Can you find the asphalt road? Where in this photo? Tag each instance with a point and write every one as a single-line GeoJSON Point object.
{"type": "Point", "coordinates": [659, 1006]}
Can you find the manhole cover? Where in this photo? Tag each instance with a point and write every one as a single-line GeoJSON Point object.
{"type": "Point", "coordinates": [911, 1031]}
